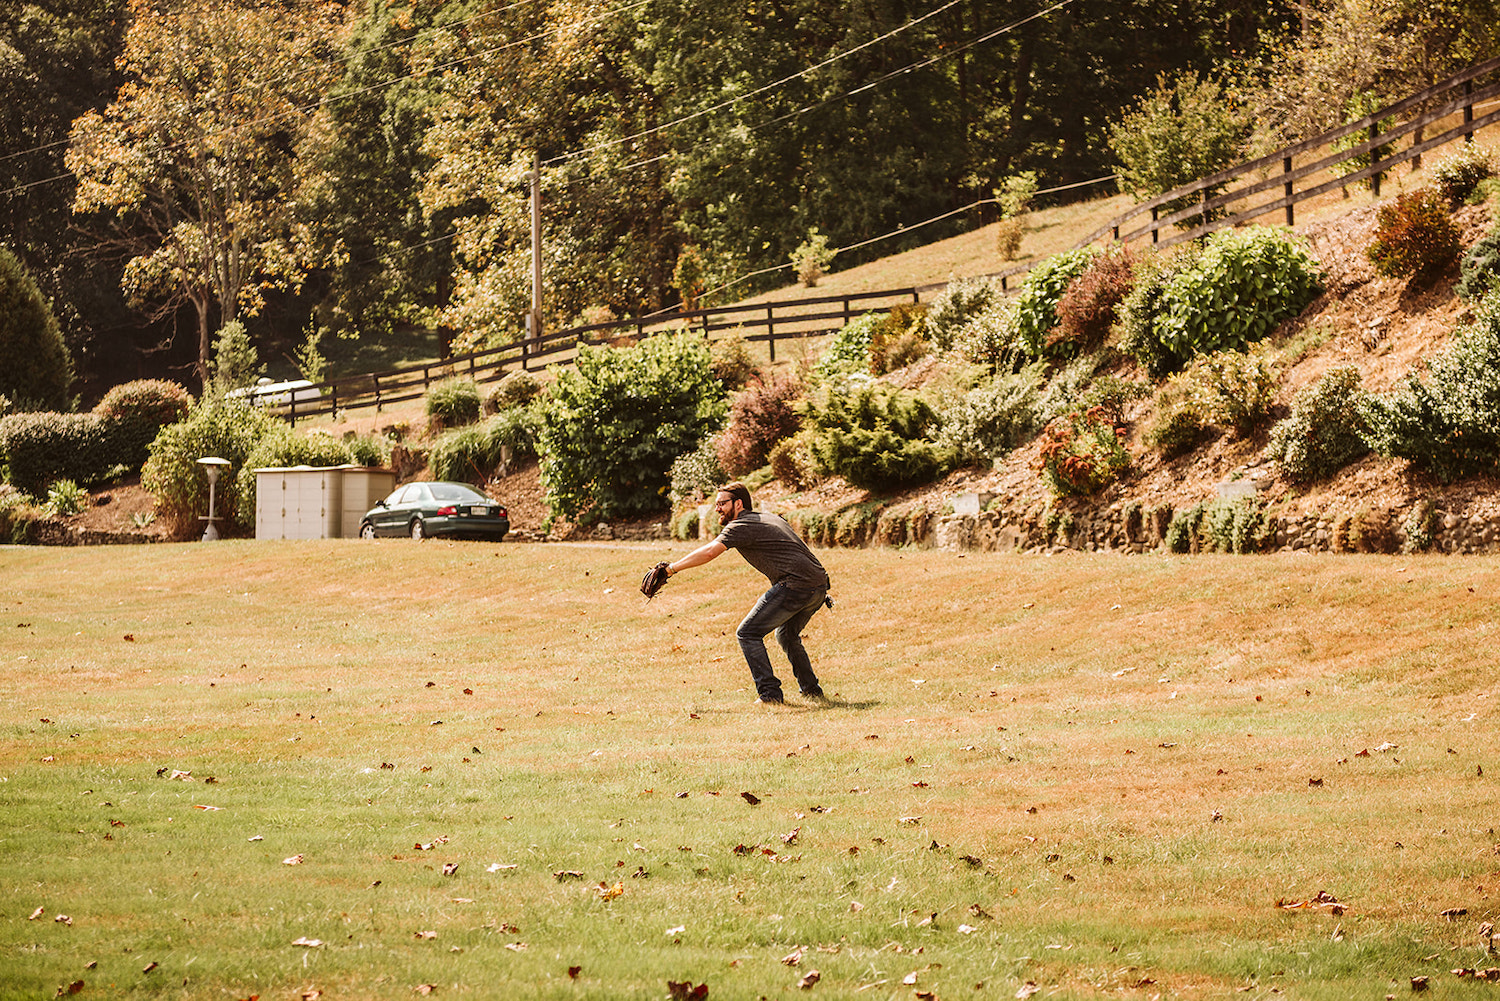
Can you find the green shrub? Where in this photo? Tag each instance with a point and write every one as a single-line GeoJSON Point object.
{"type": "Point", "coordinates": [685, 524]}
{"type": "Point", "coordinates": [38, 448]}
{"type": "Point", "coordinates": [156, 400]}
{"type": "Point", "coordinates": [1083, 452]}
{"type": "Point", "coordinates": [876, 438]}
{"type": "Point", "coordinates": [236, 363]}
{"type": "Point", "coordinates": [1065, 390]}
{"type": "Point", "coordinates": [697, 474]}
{"type": "Point", "coordinates": [515, 389]}
{"type": "Point", "coordinates": [474, 453]}
{"type": "Point", "coordinates": [1179, 426]}
{"type": "Point", "coordinates": [452, 403]}
{"type": "Point", "coordinates": [732, 364]}
{"type": "Point", "coordinates": [35, 369]}
{"type": "Point", "coordinates": [812, 258]}
{"type": "Point", "coordinates": [18, 513]}
{"type": "Point", "coordinates": [1457, 176]}
{"type": "Point", "coordinates": [1230, 294]}
{"type": "Point", "coordinates": [1234, 526]}
{"type": "Point", "coordinates": [761, 415]}
{"type": "Point", "coordinates": [1035, 312]}
{"type": "Point", "coordinates": [1479, 272]}
{"type": "Point", "coordinates": [990, 339]}
{"type": "Point", "coordinates": [1415, 237]}
{"type": "Point", "coordinates": [1234, 390]}
{"type": "Point", "coordinates": [848, 351]}
{"type": "Point", "coordinates": [990, 421]}
{"type": "Point", "coordinates": [616, 421]}
{"type": "Point", "coordinates": [66, 498]}
{"type": "Point", "coordinates": [1449, 424]}
{"type": "Point", "coordinates": [962, 301]}
{"type": "Point", "coordinates": [1087, 310]}
{"type": "Point", "coordinates": [228, 429]}
{"type": "Point", "coordinates": [368, 449]}
{"type": "Point", "coordinates": [1325, 431]}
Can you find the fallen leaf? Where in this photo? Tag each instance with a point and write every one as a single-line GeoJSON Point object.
{"type": "Point", "coordinates": [180, 776]}
{"type": "Point", "coordinates": [255, 838]}
{"type": "Point", "coordinates": [425, 989]}
{"type": "Point", "coordinates": [197, 807]}
{"type": "Point", "coordinates": [793, 958]}
{"type": "Point", "coordinates": [424, 935]}
{"type": "Point", "coordinates": [563, 874]}
{"type": "Point", "coordinates": [72, 988]}
{"type": "Point", "coordinates": [294, 860]}
{"type": "Point", "coordinates": [791, 836]}
{"type": "Point", "coordinates": [449, 868]}
{"type": "Point", "coordinates": [910, 820]}
{"type": "Point", "coordinates": [1027, 989]}
{"type": "Point", "coordinates": [37, 913]}
{"type": "Point", "coordinates": [910, 979]}
{"type": "Point", "coordinates": [812, 977]}
{"type": "Point", "coordinates": [607, 892]}
{"type": "Point", "coordinates": [573, 972]}
{"type": "Point", "coordinates": [149, 967]}
{"type": "Point", "coordinates": [308, 943]}
{"type": "Point", "coordinates": [750, 797]}
{"type": "Point", "coordinates": [685, 991]}
{"type": "Point", "coordinates": [63, 919]}
{"type": "Point", "coordinates": [497, 867]}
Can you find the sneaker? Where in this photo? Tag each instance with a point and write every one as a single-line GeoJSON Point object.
{"type": "Point", "coordinates": [769, 700]}
{"type": "Point", "coordinates": [815, 694]}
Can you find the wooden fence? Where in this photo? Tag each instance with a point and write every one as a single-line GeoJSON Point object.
{"type": "Point", "coordinates": [1268, 185]}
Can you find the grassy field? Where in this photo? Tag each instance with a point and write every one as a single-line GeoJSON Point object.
{"type": "Point", "coordinates": [495, 772]}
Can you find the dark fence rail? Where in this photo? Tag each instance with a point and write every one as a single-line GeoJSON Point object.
{"type": "Point", "coordinates": [1270, 184]}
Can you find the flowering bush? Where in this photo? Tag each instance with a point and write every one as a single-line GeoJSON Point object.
{"type": "Point", "coordinates": [1083, 451]}
{"type": "Point", "coordinates": [1415, 236]}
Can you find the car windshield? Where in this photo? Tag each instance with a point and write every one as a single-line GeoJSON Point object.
{"type": "Point", "coordinates": [457, 492]}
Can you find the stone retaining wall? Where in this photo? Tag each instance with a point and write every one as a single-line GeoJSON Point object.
{"type": "Point", "coordinates": [1135, 528]}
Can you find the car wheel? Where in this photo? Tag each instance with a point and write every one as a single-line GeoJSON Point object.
{"type": "Point", "coordinates": [416, 530]}
{"type": "Point", "coordinates": [367, 531]}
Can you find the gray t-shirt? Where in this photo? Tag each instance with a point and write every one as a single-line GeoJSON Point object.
{"type": "Point", "coordinates": [769, 545]}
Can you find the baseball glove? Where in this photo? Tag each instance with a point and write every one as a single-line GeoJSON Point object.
{"type": "Point", "coordinates": [655, 580]}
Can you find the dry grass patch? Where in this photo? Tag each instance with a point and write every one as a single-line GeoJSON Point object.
{"type": "Point", "coordinates": [1093, 773]}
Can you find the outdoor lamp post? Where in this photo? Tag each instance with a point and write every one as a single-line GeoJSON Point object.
{"type": "Point", "coordinates": [212, 465]}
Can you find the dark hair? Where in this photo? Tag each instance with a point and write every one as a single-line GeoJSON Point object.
{"type": "Point", "coordinates": [738, 491]}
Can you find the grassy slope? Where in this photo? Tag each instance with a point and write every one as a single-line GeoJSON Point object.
{"type": "Point", "coordinates": [1092, 773]}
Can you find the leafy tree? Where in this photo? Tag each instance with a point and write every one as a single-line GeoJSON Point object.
{"type": "Point", "coordinates": [615, 422]}
{"type": "Point", "coordinates": [35, 369]}
{"type": "Point", "coordinates": [1180, 131]}
{"type": "Point", "coordinates": [192, 162]}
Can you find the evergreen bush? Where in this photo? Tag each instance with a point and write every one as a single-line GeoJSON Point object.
{"type": "Point", "coordinates": [1479, 272]}
{"type": "Point", "coordinates": [1325, 431]}
{"type": "Point", "coordinates": [1450, 423]}
{"type": "Point", "coordinates": [42, 447]}
{"type": "Point", "coordinates": [696, 475]}
{"type": "Point", "coordinates": [617, 420]}
{"type": "Point", "coordinates": [876, 437]}
{"type": "Point", "coordinates": [732, 364]}
{"type": "Point", "coordinates": [962, 301]}
{"type": "Point", "coordinates": [990, 421]}
{"type": "Point", "coordinates": [35, 368]}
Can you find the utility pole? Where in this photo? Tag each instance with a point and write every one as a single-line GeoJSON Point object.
{"type": "Point", "coordinates": [534, 320]}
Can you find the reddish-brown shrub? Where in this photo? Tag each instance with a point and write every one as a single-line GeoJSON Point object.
{"type": "Point", "coordinates": [1415, 237]}
{"type": "Point", "coordinates": [1086, 311]}
{"type": "Point", "coordinates": [761, 415]}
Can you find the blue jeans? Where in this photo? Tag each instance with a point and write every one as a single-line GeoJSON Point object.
{"type": "Point", "coordinates": [787, 612]}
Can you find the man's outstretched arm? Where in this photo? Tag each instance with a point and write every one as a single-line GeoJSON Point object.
{"type": "Point", "coordinates": [698, 557]}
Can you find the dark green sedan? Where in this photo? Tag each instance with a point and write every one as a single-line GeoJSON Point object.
{"type": "Point", "coordinates": [423, 509]}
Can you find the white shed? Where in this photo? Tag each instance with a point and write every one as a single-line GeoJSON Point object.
{"type": "Point", "coordinates": [316, 502]}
